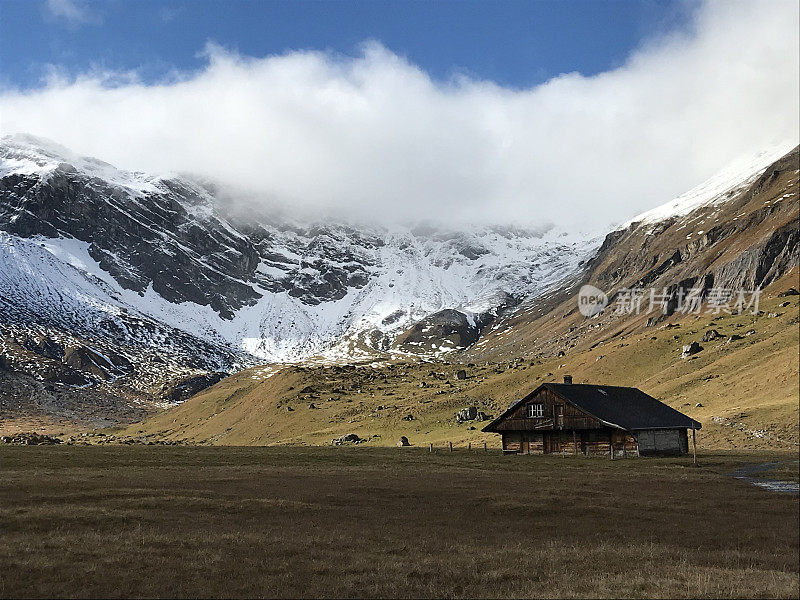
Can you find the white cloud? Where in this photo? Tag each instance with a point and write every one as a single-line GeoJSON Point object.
{"type": "Point", "coordinates": [375, 135]}
{"type": "Point", "coordinates": [74, 12]}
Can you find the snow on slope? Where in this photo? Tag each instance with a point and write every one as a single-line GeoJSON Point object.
{"type": "Point", "coordinates": [412, 279]}
{"type": "Point", "coordinates": [30, 155]}
{"type": "Point", "coordinates": [717, 189]}
{"type": "Point", "coordinates": [268, 290]}
{"type": "Point", "coordinates": [314, 285]}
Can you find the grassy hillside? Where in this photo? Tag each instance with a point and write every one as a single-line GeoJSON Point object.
{"type": "Point", "coordinates": [747, 389]}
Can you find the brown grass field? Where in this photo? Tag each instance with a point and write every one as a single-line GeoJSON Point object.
{"type": "Point", "coordinates": [134, 521]}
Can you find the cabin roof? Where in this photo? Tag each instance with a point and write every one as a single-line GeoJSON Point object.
{"type": "Point", "coordinates": [624, 407]}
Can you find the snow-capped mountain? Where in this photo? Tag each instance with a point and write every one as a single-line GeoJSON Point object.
{"type": "Point", "coordinates": [718, 189]}
{"type": "Point", "coordinates": [89, 248]}
{"type": "Point", "coordinates": [118, 284]}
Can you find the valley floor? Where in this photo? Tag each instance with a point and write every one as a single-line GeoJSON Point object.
{"type": "Point", "coordinates": [377, 522]}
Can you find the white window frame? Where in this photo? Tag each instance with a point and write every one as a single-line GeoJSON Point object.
{"type": "Point", "coordinates": [535, 411]}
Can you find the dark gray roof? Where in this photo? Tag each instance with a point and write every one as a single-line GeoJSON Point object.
{"type": "Point", "coordinates": [626, 407]}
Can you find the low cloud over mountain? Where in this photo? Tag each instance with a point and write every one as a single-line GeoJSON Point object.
{"type": "Point", "coordinates": [374, 135]}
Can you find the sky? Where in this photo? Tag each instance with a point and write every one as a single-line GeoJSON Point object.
{"type": "Point", "coordinates": [578, 113]}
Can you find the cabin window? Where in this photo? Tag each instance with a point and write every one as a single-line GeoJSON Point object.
{"type": "Point", "coordinates": [535, 411]}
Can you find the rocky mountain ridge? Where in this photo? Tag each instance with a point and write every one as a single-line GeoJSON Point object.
{"type": "Point", "coordinates": [132, 290]}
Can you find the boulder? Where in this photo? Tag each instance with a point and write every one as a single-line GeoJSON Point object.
{"type": "Point", "coordinates": [467, 414]}
{"type": "Point", "coordinates": [692, 348]}
{"type": "Point", "coordinates": [711, 334]}
{"type": "Point", "coordinates": [186, 387]}
{"type": "Point", "coordinates": [350, 438]}
{"type": "Point", "coordinates": [83, 359]}
{"type": "Point", "coordinates": [403, 441]}
{"type": "Point", "coordinates": [790, 292]}
{"type": "Point", "coordinates": [461, 374]}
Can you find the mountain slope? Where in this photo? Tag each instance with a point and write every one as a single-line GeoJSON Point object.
{"type": "Point", "coordinates": [744, 392]}
{"type": "Point", "coordinates": [742, 385]}
{"type": "Point", "coordinates": [175, 280]}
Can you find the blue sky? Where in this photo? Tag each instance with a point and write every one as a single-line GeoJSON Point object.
{"type": "Point", "coordinates": [514, 43]}
{"type": "Point", "coordinates": [575, 113]}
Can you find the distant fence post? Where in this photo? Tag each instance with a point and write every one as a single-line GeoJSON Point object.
{"type": "Point", "coordinates": [431, 449]}
{"type": "Point", "coordinates": [484, 447]}
{"type": "Point", "coordinates": [469, 447]}
{"type": "Point", "coordinates": [451, 446]}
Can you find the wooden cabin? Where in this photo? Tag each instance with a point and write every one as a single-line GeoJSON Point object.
{"type": "Point", "coordinates": [592, 419]}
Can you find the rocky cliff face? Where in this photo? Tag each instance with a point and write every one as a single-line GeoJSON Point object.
{"type": "Point", "coordinates": [130, 280]}
{"type": "Point", "coordinates": [745, 241]}
{"type": "Point", "coordinates": [139, 287]}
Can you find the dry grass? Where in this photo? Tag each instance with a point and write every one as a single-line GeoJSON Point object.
{"type": "Point", "coordinates": [748, 389]}
{"type": "Point", "coordinates": [364, 522]}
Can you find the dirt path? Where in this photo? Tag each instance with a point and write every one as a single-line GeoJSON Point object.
{"type": "Point", "coordinates": [746, 474]}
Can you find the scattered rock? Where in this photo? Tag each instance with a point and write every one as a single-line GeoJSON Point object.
{"type": "Point", "coordinates": [408, 417]}
{"type": "Point", "coordinates": [699, 405]}
{"type": "Point", "coordinates": [733, 338]}
{"type": "Point", "coordinates": [790, 292]}
{"type": "Point", "coordinates": [30, 439]}
{"type": "Point", "coordinates": [350, 438]}
{"type": "Point", "coordinates": [461, 374]}
{"type": "Point", "coordinates": [750, 332]}
{"type": "Point", "coordinates": [403, 441]}
{"type": "Point", "coordinates": [311, 405]}
{"type": "Point", "coordinates": [561, 353]}
{"type": "Point", "coordinates": [711, 334]}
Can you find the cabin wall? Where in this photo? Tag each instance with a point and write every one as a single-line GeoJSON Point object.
{"type": "Point", "coordinates": [523, 442]}
{"type": "Point", "coordinates": [662, 441]}
{"type": "Point", "coordinates": [584, 442]}
{"type": "Point", "coordinates": [558, 414]}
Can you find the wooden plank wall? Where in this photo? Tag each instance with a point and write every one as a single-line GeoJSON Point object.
{"type": "Point", "coordinates": [573, 417]}
{"type": "Point", "coordinates": [590, 442]}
